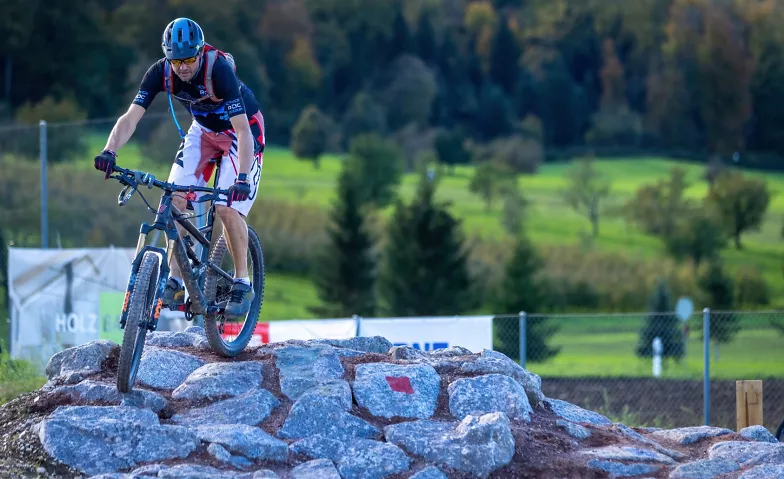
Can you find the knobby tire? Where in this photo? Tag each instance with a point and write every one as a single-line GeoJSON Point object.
{"type": "Point", "coordinates": [211, 324]}
{"type": "Point", "coordinates": [139, 309]}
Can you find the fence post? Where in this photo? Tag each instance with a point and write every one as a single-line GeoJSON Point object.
{"type": "Point", "coordinates": [44, 187]}
{"type": "Point", "coordinates": [748, 403]}
{"type": "Point", "coordinates": [358, 320]}
{"type": "Point", "coordinates": [523, 345]}
{"type": "Point", "coordinates": [706, 364]}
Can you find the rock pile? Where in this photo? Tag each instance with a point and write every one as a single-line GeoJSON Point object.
{"type": "Point", "coordinates": [355, 408]}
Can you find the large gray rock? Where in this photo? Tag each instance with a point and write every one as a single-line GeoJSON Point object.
{"type": "Point", "coordinates": [747, 453]}
{"type": "Point", "coordinates": [198, 471]}
{"type": "Point", "coordinates": [250, 409]}
{"type": "Point", "coordinates": [366, 459]}
{"type": "Point", "coordinates": [91, 392]}
{"type": "Point", "coordinates": [337, 390]}
{"type": "Point", "coordinates": [217, 380]}
{"type": "Point", "coordinates": [325, 415]}
{"type": "Point", "coordinates": [627, 453]}
{"type": "Point", "coordinates": [78, 362]}
{"type": "Point", "coordinates": [166, 368]}
{"type": "Point", "coordinates": [356, 458]}
{"type": "Point", "coordinates": [765, 471]}
{"type": "Point", "coordinates": [302, 368]}
{"type": "Point", "coordinates": [574, 413]}
{"type": "Point", "coordinates": [758, 433]}
{"type": "Point", "coordinates": [489, 393]}
{"type": "Point", "coordinates": [251, 442]}
{"type": "Point", "coordinates": [620, 469]}
{"type": "Point", "coordinates": [316, 469]}
{"type": "Point", "coordinates": [494, 362]}
{"type": "Point", "coordinates": [104, 439]}
{"type": "Point", "coordinates": [366, 344]}
{"type": "Point", "coordinates": [575, 430]}
{"type": "Point", "coordinates": [631, 433]}
{"type": "Point", "coordinates": [393, 390]}
{"type": "Point", "coordinates": [704, 469]}
{"type": "Point", "coordinates": [430, 472]}
{"type": "Point", "coordinates": [478, 444]}
{"type": "Point", "coordinates": [689, 435]}
{"type": "Point", "coordinates": [319, 447]}
{"type": "Point", "coordinates": [177, 339]}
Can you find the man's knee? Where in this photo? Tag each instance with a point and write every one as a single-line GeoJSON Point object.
{"type": "Point", "coordinates": [179, 202]}
{"type": "Point", "coordinates": [224, 212]}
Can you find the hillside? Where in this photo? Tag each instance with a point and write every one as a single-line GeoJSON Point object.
{"type": "Point", "coordinates": [549, 220]}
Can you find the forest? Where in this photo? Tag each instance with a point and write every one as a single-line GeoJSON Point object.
{"type": "Point", "coordinates": [697, 79]}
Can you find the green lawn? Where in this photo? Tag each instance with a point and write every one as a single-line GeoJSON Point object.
{"type": "Point", "coordinates": [604, 346]}
{"type": "Point", "coordinates": [550, 221]}
{"type": "Point", "coordinates": [287, 297]}
{"type": "Point", "coordinates": [753, 354]}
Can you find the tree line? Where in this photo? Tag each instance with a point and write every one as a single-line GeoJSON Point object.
{"type": "Point", "coordinates": [695, 78]}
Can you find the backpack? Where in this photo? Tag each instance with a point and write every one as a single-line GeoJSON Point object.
{"type": "Point", "coordinates": [210, 56]}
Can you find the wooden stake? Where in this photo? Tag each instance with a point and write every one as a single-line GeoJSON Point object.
{"type": "Point", "coordinates": [748, 403]}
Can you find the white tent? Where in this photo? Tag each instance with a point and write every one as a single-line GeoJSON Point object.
{"type": "Point", "coordinates": [61, 298]}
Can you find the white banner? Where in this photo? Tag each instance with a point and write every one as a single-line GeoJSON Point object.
{"type": "Point", "coordinates": [312, 329]}
{"type": "Point", "coordinates": [277, 331]}
{"type": "Point", "coordinates": [62, 298]}
{"type": "Point", "coordinates": [427, 333]}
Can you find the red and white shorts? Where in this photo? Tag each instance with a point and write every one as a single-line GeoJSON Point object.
{"type": "Point", "coordinates": [192, 166]}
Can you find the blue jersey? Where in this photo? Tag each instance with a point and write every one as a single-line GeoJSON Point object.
{"type": "Point", "coordinates": [236, 97]}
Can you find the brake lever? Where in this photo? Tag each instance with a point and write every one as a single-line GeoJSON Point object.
{"type": "Point", "coordinates": [125, 195]}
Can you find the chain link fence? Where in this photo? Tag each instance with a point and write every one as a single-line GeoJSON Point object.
{"type": "Point", "coordinates": [648, 369]}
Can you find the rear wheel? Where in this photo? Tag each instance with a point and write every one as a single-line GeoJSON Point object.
{"type": "Point", "coordinates": [230, 337]}
{"type": "Point", "coordinates": [139, 309]}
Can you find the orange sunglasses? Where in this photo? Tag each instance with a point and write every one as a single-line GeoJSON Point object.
{"type": "Point", "coordinates": [187, 61]}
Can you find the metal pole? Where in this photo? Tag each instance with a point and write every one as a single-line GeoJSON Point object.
{"type": "Point", "coordinates": [523, 334]}
{"type": "Point", "coordinates": [706, 364]}
{"type": "Point", "coordinates": [44, 187]}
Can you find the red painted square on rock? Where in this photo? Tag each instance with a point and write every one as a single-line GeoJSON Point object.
{"type": "Point", "coordinates": [401, 385]}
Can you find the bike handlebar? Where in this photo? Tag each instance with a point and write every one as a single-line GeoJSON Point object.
{"type": "Point", "coordinates": [135, 178]}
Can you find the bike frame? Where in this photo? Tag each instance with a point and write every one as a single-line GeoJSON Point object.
{"type": "Point", "coordinates": [165, 218]}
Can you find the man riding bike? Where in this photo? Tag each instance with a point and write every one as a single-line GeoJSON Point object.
{"type": "Point", "coordinates": [227, 123]}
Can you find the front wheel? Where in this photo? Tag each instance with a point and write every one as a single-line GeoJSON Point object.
{"type": "Point", "coordinates": [139, 310]}
{"type": "Point", "coordinates": [229, 338]}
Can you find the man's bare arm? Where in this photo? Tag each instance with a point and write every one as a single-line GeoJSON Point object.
{"type": "Point", "coordinates": [124, 127]}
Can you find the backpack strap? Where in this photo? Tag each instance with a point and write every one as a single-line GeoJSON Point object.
{"type": "Point", "coordinates": [168, 81]}
{"type": "Point", "coordinates": [210, 56]}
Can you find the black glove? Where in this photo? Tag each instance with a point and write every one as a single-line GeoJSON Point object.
{"type": "Point", "coordinates": [239, 191]}
{"type": "Point", "coordinates": [105, 162]}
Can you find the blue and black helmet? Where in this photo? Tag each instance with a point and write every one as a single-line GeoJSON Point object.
{"type": "Point", "coordinates": [182, 38]}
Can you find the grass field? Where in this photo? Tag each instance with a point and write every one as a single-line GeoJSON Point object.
{"type": "Point", "coordinates": [604, 346]}
{"type": "Point", "coordinates": [549, 220]}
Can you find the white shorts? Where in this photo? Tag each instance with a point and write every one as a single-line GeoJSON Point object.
{"type": "Point", "coordinates": [192, 166]}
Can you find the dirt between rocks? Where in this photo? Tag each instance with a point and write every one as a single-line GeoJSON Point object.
{"type": "Point", "coordinates": [542, 449]}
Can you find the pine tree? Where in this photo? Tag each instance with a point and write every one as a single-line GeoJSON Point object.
{"type": "Point", "coordinates": [345, 271]}
{"type": "Point", "coordinates": [523, 290]}
{"type": "Point", "coordinates": [425, 270]}
{"type": "Point", "coordinates": [426, 38]}
{"type": "Point", "coordinates": [663, 323]}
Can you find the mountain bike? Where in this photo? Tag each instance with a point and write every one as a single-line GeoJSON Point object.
{"type": "Point", "coordinates": [208, 275]}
